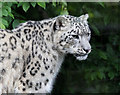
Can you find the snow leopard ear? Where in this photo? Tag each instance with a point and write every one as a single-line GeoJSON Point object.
{"type": "Point", "coordinates": [84, 18]}
{"type": "Point", "coordinates": [60, 23]}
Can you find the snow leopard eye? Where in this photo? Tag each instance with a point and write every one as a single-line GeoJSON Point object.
{"type": "Point", "coordinates": [88, 34]}
{"type": "Point", "coordinates": [75, 36]}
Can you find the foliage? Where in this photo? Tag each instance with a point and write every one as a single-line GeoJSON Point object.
{"type": "Point", "coordinates": [14, 18]}
{"type": "Point", "coordinates": [101, 71]}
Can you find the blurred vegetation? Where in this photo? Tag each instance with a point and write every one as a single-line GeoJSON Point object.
{"type": "Point", "coordinates": [100, 73]}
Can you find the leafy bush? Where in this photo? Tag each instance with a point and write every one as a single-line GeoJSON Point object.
{"type": "Point", "coordinates": [11, 16]}
{"type": "Point", "coordinates": [101, 71]}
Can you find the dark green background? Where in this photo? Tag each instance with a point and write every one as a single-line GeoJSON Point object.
{"type": "Point", "coordinates": [100, 73]}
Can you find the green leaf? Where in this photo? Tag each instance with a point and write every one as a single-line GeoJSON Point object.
{"type": "Point", "coordinates": [15, 2]}
{"type": "Point", "coordinates": [91, 15]}
{"type": "Point", "coordinates": [8, 8]}
{"type": "Point", "coordinates": [64, 3]}
{"type": "Point", "coordinates": [101, 75]}
{"type": "Point", "coordinates": [117, 66]}
{"type": "Point", "coordinates": [0, 19]}
{"type": "Point", "coordinates": [9, 20]}
{"type": "Point", "coordinates": [93, 76]}
{"type": "Point", "coordinates": [54, 4]}
{"type": "Point", "coordinates": [33, 4]}
{"type": "Point", "coordinates": [26, 6]}
{"type": "Point", "coordinates": [15, 23]}
{"type": "Point", "coordinates": [102, 4]}
{"type": "Point", "coordinates": [0, 4]}
{"type": "Point", "coordinates": [4, 12]}
{"type": "Point", "coordinates": [22, 21]}
{"type": "Point", "coordinates": [111, 75]}
{"type": "Point", "coordinates": [9, 4]}
{"type": "Point", "coordinates": [2, 26]}
{"type": "Point", "coordinates": [64, 12]}
{"type": "Point", "coordinates": [95, 30]}
{"type": "Point", "coordinates": [20, 4]}
{"type": "Point", "coordinates": [11, 15]}
{"type": "Point", "coordinates": [4, 22]}
{"type": "Point", "coordinates": [0, 13]}
{"type": "Point", "coordinates": [106, 20]}
{"type": "Point", "coordinates": [42, 4]}
{"type": "Point", "coordinates": [103, 55]}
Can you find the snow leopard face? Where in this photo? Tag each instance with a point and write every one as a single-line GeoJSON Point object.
{"type": "Point", "coordinates": [72, 35]}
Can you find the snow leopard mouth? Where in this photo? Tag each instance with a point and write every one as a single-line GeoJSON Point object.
{"type": "Point", "coordinates": [77, 55]}
{"type": "Point", "coordinates": [81, 56]}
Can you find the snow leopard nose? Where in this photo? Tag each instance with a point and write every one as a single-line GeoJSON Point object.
{"type": "Point", "coordinates": [87, 50]}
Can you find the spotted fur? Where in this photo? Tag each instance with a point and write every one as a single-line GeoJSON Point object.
{"type": "Point", "coordinates": [32, 53]}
